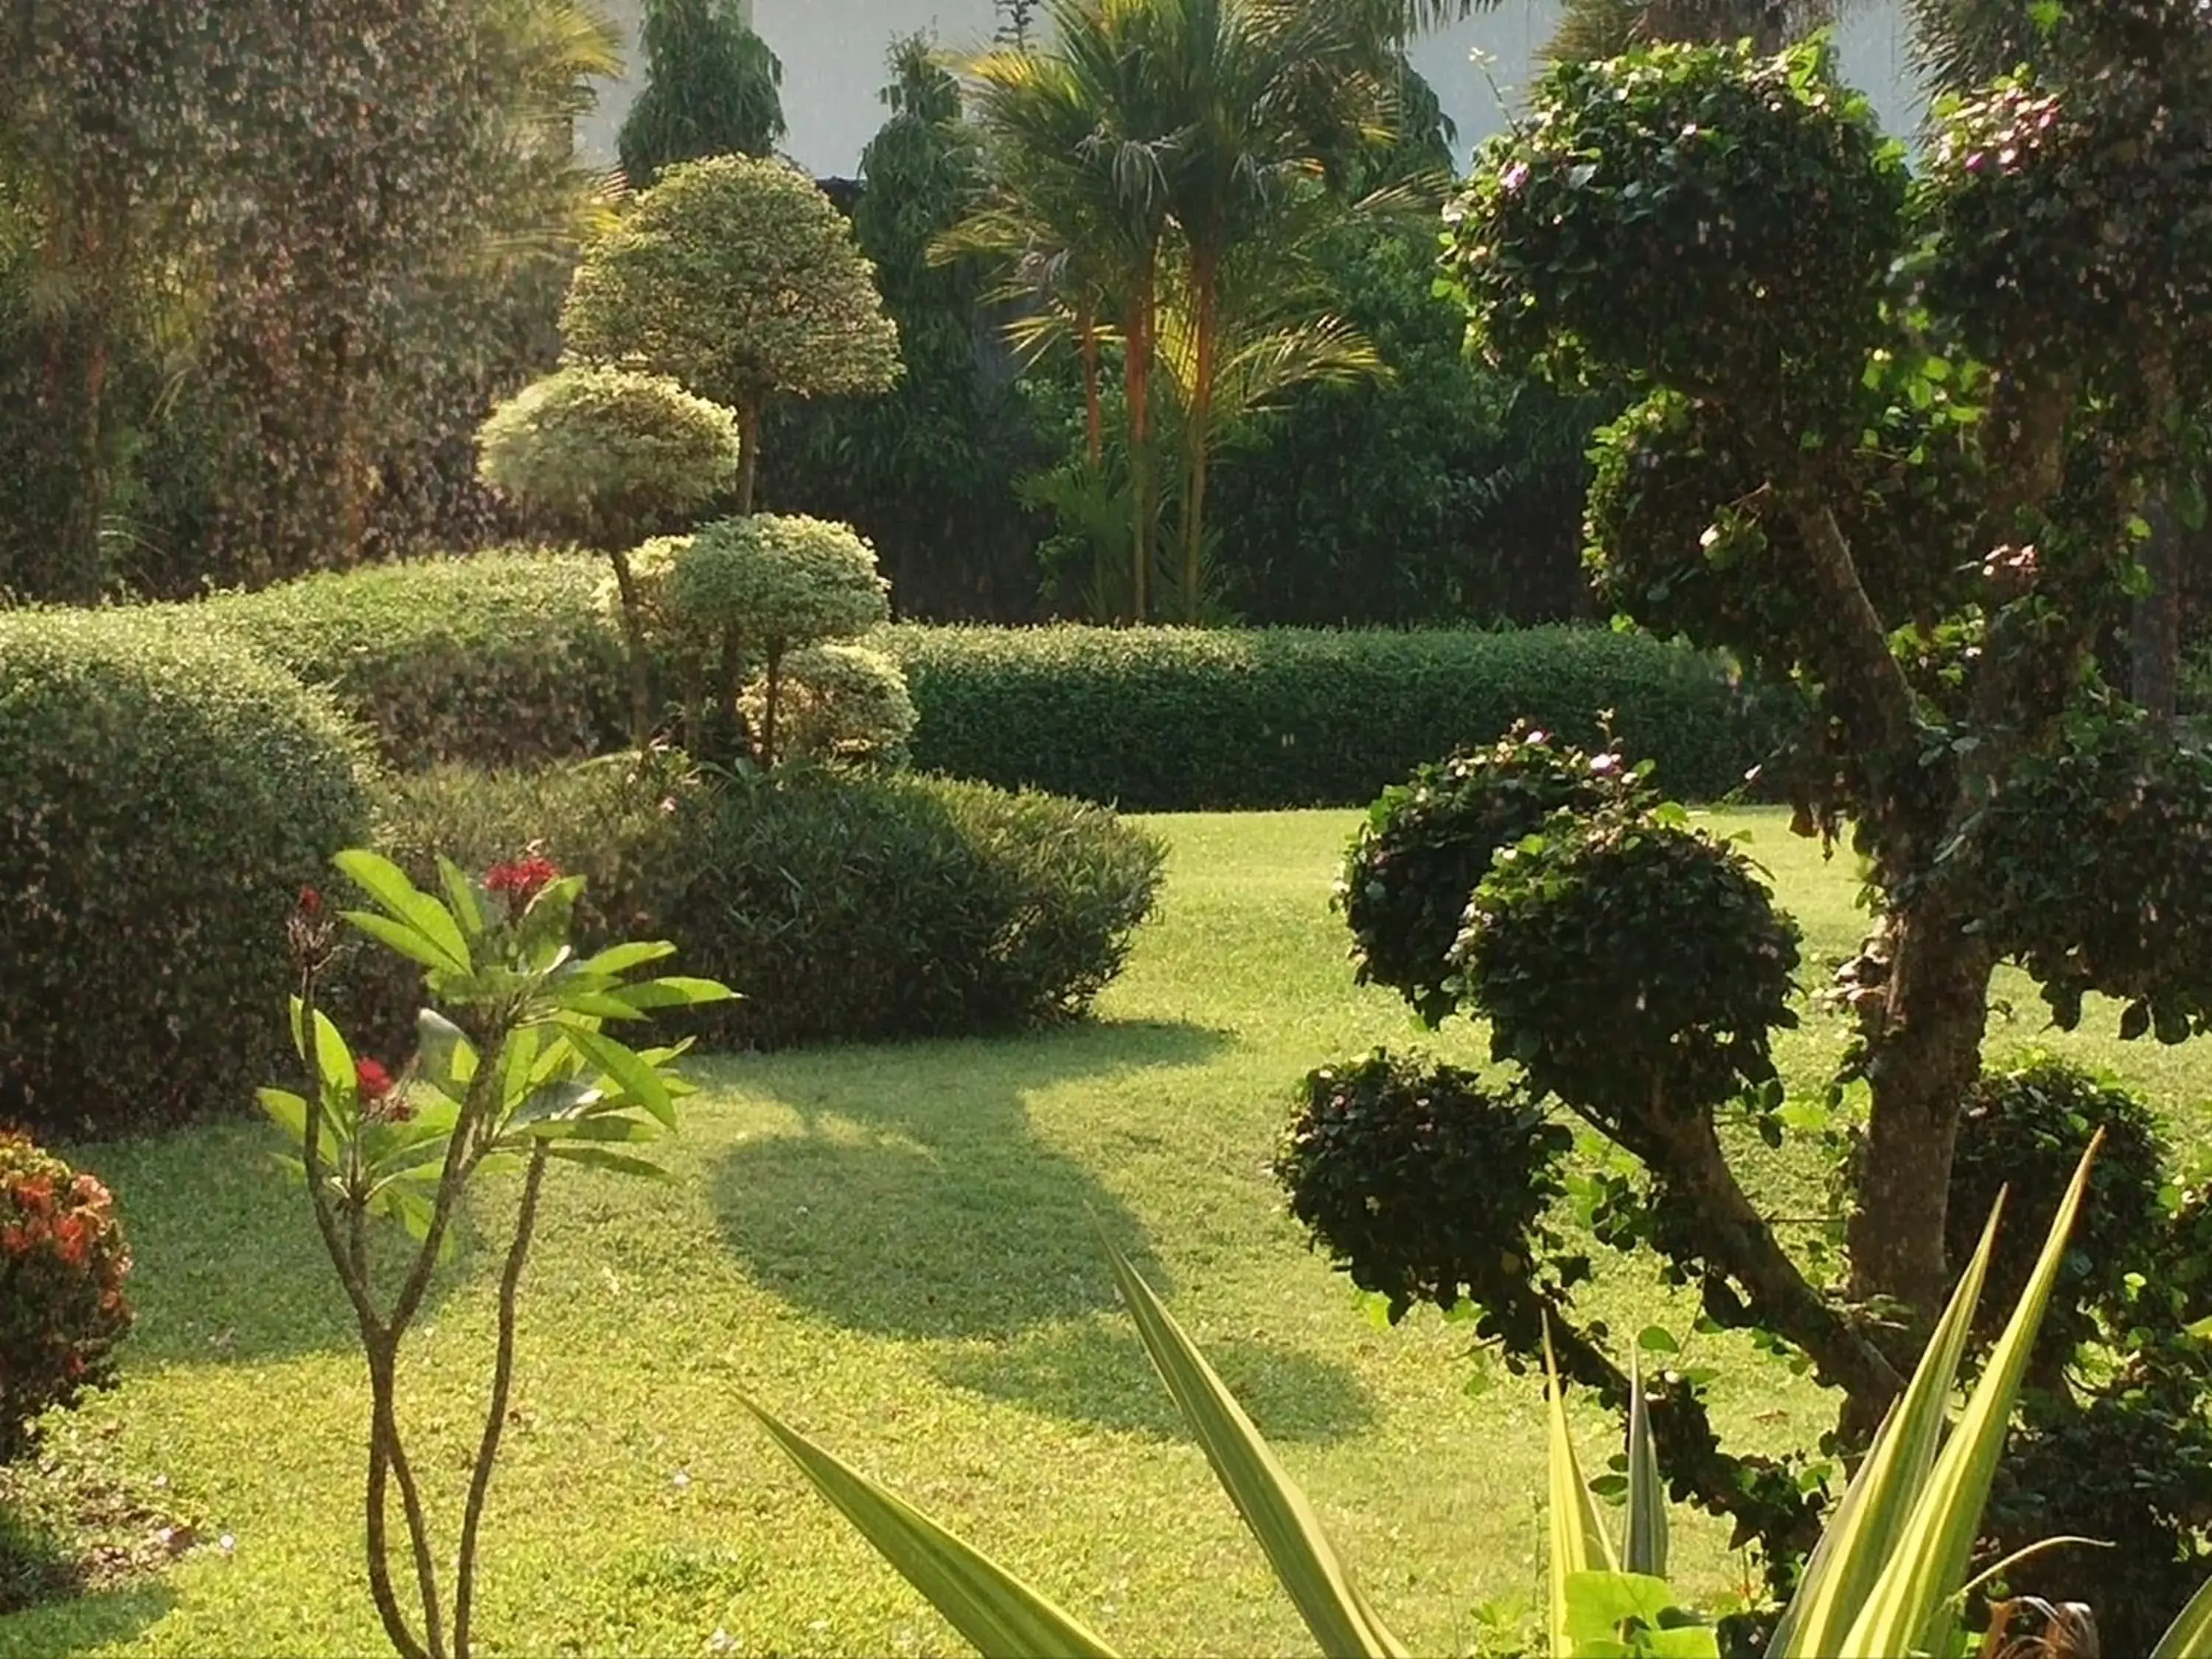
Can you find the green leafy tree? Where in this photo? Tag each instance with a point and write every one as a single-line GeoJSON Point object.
{"type": "Point", "coordinates": [1910, 487]}
{"type": "Point", "coordinates": [608, 457]}
{"type": "Point", "coordinates": [739, 279]}
{"type": "Point", "coordinates": [712, 89]}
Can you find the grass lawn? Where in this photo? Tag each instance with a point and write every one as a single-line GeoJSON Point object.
{"type": "Point", "coordinates": [892, 1249]}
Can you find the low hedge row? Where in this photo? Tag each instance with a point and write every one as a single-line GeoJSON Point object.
{"type": "Point", "coordinates": [1182, 719]}
{"type": "Point", "coordinates": [501, 659]}
{"type": "Point", "coordinates": [163, 797]}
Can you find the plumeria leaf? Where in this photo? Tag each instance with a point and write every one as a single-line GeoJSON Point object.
{"type": "Point", "coordinates": [387, 884]}
{"type": "Point", "coordinates": [639, 1081]}
{"type": "Point", "coordinates": [676, 991]}
{"type": "Point", "coordinates": [462, 894]}
{"type": "Point", "coordinates": [619, 959]}
{"type": "Point", "coordinates": [408, 942]}
{"type": "Point", "coordinates": [598, 1158]}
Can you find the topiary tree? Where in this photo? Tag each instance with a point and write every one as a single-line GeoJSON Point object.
{"type": "Point", "coordinates": [836, 702]}
{"type": "Point", "coordinates": [762, 587]}
{"type": "Point", "coordinates": [608, 456]}
{"type": "Point", "coordinates": [738, 278]}
{"type": "Point", "coordinates": [1890, 441]}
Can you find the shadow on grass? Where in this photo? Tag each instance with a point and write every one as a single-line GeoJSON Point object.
{"type": "Point", "coordinates": [1096, 1372]}
{"type": "Point", "coordinates": [84, 1623]}
{"type": "Point", "coordinates": [917, 1202]}
{"type": "Point", "coordinates": [226, 1263]}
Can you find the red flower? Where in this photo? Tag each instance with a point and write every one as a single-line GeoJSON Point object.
{"type": "Point", "coordinates": [521, 880]}
{"type": "Point", "coordinates": [70, 1240]}
{"type": "Point", "coordinates": [371, 1079]}
{"type": "Point", "coordinates": [310, 902]}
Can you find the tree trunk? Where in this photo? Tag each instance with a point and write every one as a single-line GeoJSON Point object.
{"type": "Point", "coordinates": [1200, 438]}
{"type": "Point", "coordinates": [2154, 639]}
{"type": "Point", "coordinates": [1140, 379]}
{"type": "Point", "coordinates": [641, 683]}
{"type": "Point", "coordinates": [1925, 1037]}
{"type": "Point", "coordinates": [1094, 414]}
{"type": "Point", "coordinates": [773, 692]}
{"type": "Point", "coordinates": [748, 429]}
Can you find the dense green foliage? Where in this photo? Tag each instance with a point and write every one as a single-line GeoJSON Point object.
{"type": "Point", "coordinates": [1177, 719]}
{"type": "Point", "coordinates": [842, 907]}
{"type": "Point", "coordinates": [63, 1261]}
{"type": "Point", "coordinates": [1410, 1175]}
{"type": "Point", "coordinates": [711, 89]}
{"type": "Point", "coordinates": [1428, 842]}
{"type": "Point", "coordinates": [845, 907]}
{"type": "Point", "coordinates": [499, 660]}
{"type": "Point", "coordinates": [836, 702]}
{"type": "Point", "coordinates": [607, 457]}
{"type": "Point", "coordinates": [163, 797]}
{"type": "Point", "coordinates": [776, 583]}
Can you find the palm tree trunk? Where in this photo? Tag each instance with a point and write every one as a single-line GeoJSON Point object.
{"type": "Point", "coordinates": [1139, 387]}
{"type": "Point", "coordinates": [1204, 286]}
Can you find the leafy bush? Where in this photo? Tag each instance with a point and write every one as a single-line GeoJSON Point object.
{"type": "Point", "coordinates": [62, 1260]}
{"type": "Point", "coordinates": [1429, 842]}
{"type": "Point", "coordinates": [604, 455]}
{"type": "Point", "coordinates": [1634, 966]}
{"type": "Point", "coordinates": [498, 660]}
{"type": "Point", "coordinates": [1182, 719]}
{"type": "Point", "coordinates": [838, 702]}
{"type": "Point", "coordinates": [844, 907]}
{"type": "Point", "coordinates": [2022, 1134]}
{"type": "Point", "coordinates": [1411, 1175]}
{"type": "Point", "coordinates": [163, 797]}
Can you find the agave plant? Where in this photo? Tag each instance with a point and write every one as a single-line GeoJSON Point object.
{"type": "Point", "coordinates": [1888, 1581]}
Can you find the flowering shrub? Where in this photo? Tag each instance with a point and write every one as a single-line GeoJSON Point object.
{"type": "Point", "coordinates": [62, 1264]}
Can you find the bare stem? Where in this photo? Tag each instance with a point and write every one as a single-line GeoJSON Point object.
{"type": "Point", "coordinates": [502, 1377]}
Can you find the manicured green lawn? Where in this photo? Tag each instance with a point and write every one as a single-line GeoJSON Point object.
{"type": "Point", "coordinates": [892, 1248]}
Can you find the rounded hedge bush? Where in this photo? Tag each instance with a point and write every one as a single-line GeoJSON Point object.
{"type": "Point", "coordinates": [501, 658]}
{"type": "Point", "coordinates": [775, 583]}
{"type": "Point", "coordinates": [836, 702]}
{"type": "Point", "coordinates": [164, 795]}
{"type": "Point", "coordinates": [847, 907]}
{"type": "Point", "coordinates": [62, 1260]}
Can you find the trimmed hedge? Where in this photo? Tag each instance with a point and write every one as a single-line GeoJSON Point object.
{"type": "Point", "coordinates": [163, 797]}
{"type": "Point", "coordinates": [505, 659]}
{"type": "Point", "coordinates": [501, 658]}
{"type": "Point", "coordinates": [841, 906]}
{"type": "Point", "coordinates": [1179, 720]}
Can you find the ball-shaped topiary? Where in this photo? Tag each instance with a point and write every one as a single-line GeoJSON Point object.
{"type": "Point", "coordinates": [606, 456]}
{"type": "Point", "coordinates": [781, 582]}
{"type": "Point", "coordinates": [1739, 198]}
{"type": "Point", "coordinates": [1429, 842]}
{"type": "Point", "coordinates": [2023, 1133]}
{"type": "Point", "coordinates": [63, 1261]}
{"type": "Point", "coordinates": [1635, 967]}
{"type": "Point", "coordinates": [739, 279]}
{"type": "Point", "coordinates": [164, 795]}
{"type": "Point", "coordinates": [840, 702]}
{"type": "Point", "coordinates": [1423, 1184]}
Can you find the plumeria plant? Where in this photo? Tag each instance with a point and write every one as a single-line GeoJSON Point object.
{"type": "Point", "coordinates": [515, 1069]}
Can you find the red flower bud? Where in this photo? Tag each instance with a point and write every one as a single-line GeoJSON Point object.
{"type": "Point", "coordinates": [371, 1079]}
{"type": "Point", "coordinates": [310, 902]}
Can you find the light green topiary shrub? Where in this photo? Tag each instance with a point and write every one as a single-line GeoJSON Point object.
{"type": "Point", "coordinates": [839, 702]}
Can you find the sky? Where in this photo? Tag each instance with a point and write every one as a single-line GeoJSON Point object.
{"type": "Point", "coordinates": [833, 53]}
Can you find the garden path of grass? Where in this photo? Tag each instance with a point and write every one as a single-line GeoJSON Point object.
{"type": "Point", "coordinates": [893, 1247]}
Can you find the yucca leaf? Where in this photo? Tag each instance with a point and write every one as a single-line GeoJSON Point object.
{"type": "Point", "coordinates": [1645, 1550]}
{"type": "Point", "coordinates": [1578, 1540]}
{"type": "Point", "coordinates": [1863, 1533]}
{"type": "Point", "coordinates": [2190, 1637]}
{"type": "Point", "coordinates": [1001, 1615]}
{"type": "Point", "coordinates": [1911, 1607]}
{"type": "Point", "coordinates": [1276, 1511]}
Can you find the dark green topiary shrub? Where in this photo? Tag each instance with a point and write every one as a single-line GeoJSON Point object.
{"type": "Point", "coordinates": [1634, 966]}
{"type": "Point", "coordinates": [1418, 1180]}
{"type": "Point", "coordinates": [1429, 842]}
{"type": "Point", "coordinates": [2022, 1134]}
{"type": "Point", "coordinates": [163, 797]}
{"type": "Point", "coordinates": [846, 908]}
{"type": "Point", "coordinates": [500, 659]}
